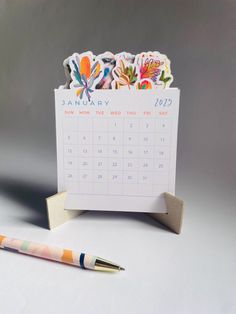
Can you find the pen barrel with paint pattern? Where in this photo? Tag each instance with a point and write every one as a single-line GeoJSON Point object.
{"type": "Point", "coordinates": [57, 254]}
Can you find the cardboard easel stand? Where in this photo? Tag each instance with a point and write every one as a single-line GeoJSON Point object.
{"type": "Point", "coordinates": [58, 215]}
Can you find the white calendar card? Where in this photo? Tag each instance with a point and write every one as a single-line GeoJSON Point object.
{"type": "Point", "coordinates": [118, 150]}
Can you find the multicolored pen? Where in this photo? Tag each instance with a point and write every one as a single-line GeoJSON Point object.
{"type": "Point", "coordinates": [59, 255]}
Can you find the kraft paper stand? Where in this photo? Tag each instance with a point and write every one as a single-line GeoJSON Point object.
{"type": "Point", "coordinates": [57, 215]}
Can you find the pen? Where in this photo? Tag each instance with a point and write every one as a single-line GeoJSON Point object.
{"type": "Point", "coordinates": [66, 256]}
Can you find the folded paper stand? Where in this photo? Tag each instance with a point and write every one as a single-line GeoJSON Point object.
{"type": "Point", "coordinates": [57, 214]}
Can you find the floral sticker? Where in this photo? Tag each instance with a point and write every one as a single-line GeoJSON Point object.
{"type": "Point", "coordinates": [144, 84]}
{"type": "Point", "coordinates": [156, 67]}
{"type": "Point", "coordinates": [86, 71]}
{"type": "Point", "coordinates": [109, 61]}
{"type": "Point", "coordinates": [125, 75]}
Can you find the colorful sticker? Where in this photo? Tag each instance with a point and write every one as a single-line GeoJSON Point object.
{"type": "Point", "coordinates": [129, 57]}
{"type": "Point", "coordinates": [154, 66]}
{"type": "Point", "coordinates": [148, 67]}
{"type": "Point", "coordinates": [86, 72]}
{"type": "Point", "coordinates": [67, 71]}
{"type": "Point", "coordinates": [144, 84]}
{"type": "Point", "coordinates": [125, 75]}
{"type": "Point", "coordinates": [109, 62]}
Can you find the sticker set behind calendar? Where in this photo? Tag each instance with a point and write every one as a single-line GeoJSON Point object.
{"type": "Point", "coordinates": [116, 124]}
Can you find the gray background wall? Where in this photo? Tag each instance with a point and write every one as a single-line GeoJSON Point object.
{"type": "Point", "coordinates": [198, 36]}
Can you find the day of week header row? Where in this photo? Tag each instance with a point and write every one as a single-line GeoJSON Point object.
{"type": "Point", "coordinates": [115, 113]}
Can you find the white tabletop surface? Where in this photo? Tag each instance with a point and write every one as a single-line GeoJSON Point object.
{"type": "Point", "coordinates": [194, 272]}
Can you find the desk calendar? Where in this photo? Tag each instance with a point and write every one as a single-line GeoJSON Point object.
{"type": "Point", "coordinates": [117, 150]}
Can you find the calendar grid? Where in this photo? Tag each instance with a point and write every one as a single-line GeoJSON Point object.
{"type": "Point", "coordinates": [171, 140]}
{"type": "Point", "coordinates": [72, 146]}
{"type": "Point", "coordinates": [138, 172]}
{"type": "Point", "coordinates": [92, 139]}
{"type": "Point", "coordinates": [122, 176]}
{"type": "Point", "coordinates": [153, 192]}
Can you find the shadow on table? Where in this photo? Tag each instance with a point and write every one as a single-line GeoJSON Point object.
{"type": "Point", "coordinates": [31, 196]}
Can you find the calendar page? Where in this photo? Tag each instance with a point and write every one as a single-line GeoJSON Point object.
{"type": "Point", "coordinates": [117, 151]}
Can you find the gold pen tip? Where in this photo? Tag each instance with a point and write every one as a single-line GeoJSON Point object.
{"type": "Point", "coordinates": [105, 265]}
